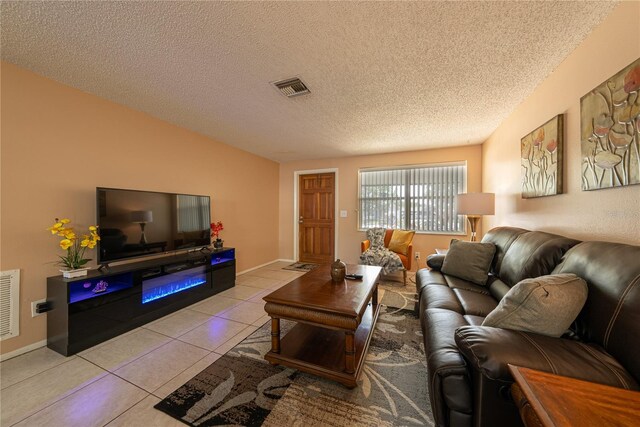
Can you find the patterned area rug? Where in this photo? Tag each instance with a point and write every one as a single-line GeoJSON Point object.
{"type": "Point", "coordinates": [241, 388]}
{"type": "Point", "coordinates": [394, 293]}
{"type": "Point", "coordinates": [301, 266]}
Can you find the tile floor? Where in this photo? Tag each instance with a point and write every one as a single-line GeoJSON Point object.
{"type": "Point", "coordinates": [116, 383]}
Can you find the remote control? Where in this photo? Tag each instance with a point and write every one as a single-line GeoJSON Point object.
{"type": "Point", "coordinates": [353, 276]}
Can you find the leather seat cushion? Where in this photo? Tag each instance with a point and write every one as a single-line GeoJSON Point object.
{"type": "Point", "coordinates": [474, 320]}
{"type": "Point", "coordinates": [437, 296]}
{"type": "Point", "coordinates": [475, 303]}
{"type": "Point", "coordinates": [437, 290]}
{"type": "Point", "coordinates": [426, 277]}
{"type": "Point", "coordinates": [457, 283]}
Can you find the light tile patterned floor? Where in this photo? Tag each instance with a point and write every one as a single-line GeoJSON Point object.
{"type": "Point", "coordinates": [116, 383]}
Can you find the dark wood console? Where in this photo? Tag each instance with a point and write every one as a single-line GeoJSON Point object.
{"type": "Point", "coordinates": [88, 310]}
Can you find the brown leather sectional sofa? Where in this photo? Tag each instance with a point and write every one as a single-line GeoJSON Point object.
{"type": "Point", "coordinates": [469, 382]}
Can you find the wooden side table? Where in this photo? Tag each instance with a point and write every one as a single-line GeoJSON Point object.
{"type": "Point", "coordinates": [552, 400]}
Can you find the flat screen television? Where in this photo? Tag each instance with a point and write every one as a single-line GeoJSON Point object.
{"type": "Point", "coordinates": [135, 223]}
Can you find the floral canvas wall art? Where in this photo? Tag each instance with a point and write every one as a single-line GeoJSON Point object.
{"type": "Point", "coordinates": [610, 131]}
{"type": "Point", "coordinates": [541, 156]}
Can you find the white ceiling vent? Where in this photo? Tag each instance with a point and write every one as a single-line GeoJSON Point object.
{"type": "Point", "coordinates": [291, 87]}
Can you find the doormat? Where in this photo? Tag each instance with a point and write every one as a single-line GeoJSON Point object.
{"type": "Point", "coordinates": [241, 388]}
{"type": "Point", "coordinates": [301, 266]}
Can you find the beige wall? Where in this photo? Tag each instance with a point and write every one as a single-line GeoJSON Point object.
{"type": "Point", "coordinates": [59, 143]}
{"type": "Point", "coordinates": [349, 237]}
{"type": "Point", "coordinates": [611, 214]}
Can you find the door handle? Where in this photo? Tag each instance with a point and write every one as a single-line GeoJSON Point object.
{"type": "Point", "coordinates": [300, 220]}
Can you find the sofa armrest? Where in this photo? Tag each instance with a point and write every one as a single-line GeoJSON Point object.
{"type": "Point", "coordinates": [435, 261]}
{"type": "Point", "coordinates": [364, 245]}
{"type": "Point", "coordinates": [489, 350]}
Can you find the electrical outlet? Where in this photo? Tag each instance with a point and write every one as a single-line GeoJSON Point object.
{"type": "Point", "coordinates": [33, 307]}
{"type": "Point", "coordinates": [417, 255]}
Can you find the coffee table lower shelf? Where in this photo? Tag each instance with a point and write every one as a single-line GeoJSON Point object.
{"type": "Point", "coordinates": [321, 351]}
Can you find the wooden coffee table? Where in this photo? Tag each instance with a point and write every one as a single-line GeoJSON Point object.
{"type": "Point", "coordinates": [335, 323]}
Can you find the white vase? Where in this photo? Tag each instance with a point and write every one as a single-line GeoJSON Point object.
{"type": "Point", "coordinates": [76, 272]}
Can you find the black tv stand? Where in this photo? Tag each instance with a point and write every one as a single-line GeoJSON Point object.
{"type": "Point", "coordinates": [110, 300]}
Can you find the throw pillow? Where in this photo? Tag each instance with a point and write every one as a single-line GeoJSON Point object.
{"type": "Point", "coordinates": [400, 241]}
{"type": "Point", "coordinates": [545, 305]}
{"type": "Point", "coordinates": [376, 237]}
{"type": "Point", "coordinates": [469, 261]}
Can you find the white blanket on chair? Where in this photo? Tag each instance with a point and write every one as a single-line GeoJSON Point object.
{"type": "Point", "coordinates": [382, 257]}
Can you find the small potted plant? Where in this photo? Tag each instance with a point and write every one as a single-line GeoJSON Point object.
{"type": "Point", "coordinates": [73, 263]}
{"type": "Point", "coordinates": [216, 228]}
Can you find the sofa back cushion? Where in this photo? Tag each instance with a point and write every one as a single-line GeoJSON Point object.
{"type": "Point", "coordinates": [532, 254]}
{"type": "Point", "coordinates": [611, 315]}
{"type": "Point", "coordinates": [502, 238]}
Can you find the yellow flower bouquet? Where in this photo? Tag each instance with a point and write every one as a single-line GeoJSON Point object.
{"type": "Point", "coordinates": [75, 246]}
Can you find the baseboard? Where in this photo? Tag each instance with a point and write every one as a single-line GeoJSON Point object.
{"type": "Point", "coordinates": [23, 350]}
{"type": "Point", "coordinates": [262, 265]}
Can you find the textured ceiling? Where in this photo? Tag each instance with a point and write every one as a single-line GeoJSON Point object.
{"type": "Point", "coordinates": [384, 76]}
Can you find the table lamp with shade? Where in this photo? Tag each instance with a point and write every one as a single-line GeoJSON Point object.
{"type": "Point", "coordinates": [142, 218]}
{"type": "Point", "coordinates": [474, 205]}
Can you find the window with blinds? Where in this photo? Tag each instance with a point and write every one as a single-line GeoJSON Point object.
{"type": "Point", "coordinates": [420, 198]}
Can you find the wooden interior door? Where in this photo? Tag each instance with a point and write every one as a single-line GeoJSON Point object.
{"type": "Point", "coordinates": [316, 223]}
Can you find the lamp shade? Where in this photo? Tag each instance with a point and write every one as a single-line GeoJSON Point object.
{"type": "Point", "coordinates": [142, 216]}
{"type": "Point", "coordinates": [476, 203]}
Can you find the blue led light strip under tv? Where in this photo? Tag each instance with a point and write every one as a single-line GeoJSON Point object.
{"type": "Point", "coordinates": [164, 286]}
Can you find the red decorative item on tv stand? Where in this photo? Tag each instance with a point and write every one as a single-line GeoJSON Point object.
{"type": "Point", "coordinates": [216, 228]}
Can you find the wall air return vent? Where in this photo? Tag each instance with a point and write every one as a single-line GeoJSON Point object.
{"type": "Point", "coordinates": [291, 87]}
{"type": "Point", "coordinates": [9, 304]}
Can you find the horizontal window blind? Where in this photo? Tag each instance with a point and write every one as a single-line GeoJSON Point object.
{"type": "Point", "coordinates": [418, 198]}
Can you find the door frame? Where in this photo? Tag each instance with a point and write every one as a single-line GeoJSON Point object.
{"type": "Point", "coordinates": [296, 189]}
